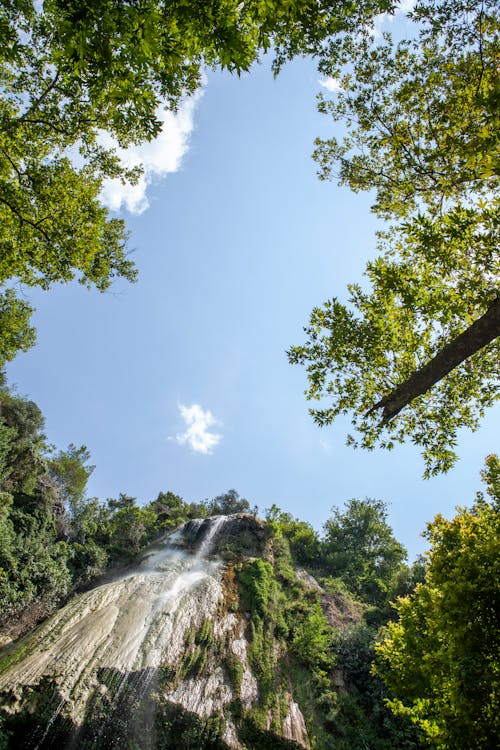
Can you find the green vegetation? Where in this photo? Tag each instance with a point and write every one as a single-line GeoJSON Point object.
{"type": "Point", "coordinates": [177, 729]}
{"type": "Point", "coordinates": [71, 72]}
{"type": "Point", "coordinates": [54, 539]}
{"type": "Point", "coordinates": [228, 503]}
{"type": "Point", "coordinates": [293, 643]}
{"type": "Point", "coordinates": [262, 599]}
{"type": "Point", "coordinates": [361, 717]}
{"type": "Point", "coordinates": [414, 352]}
{"type": "Point", "coordinates": [360, 549]}
{"type": "Point", "coordinates": [442, 657]}
{"type": "Point", "coordinates": [437, 667]}
{"type": "Point", "coordinates": [357, 634]}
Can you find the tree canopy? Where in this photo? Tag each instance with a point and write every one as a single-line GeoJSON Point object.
{"type": "Point", "coordinates": [229, 502]}
{"type": "Point", "coordinates": [419, 341]}
{"type": "Point", "coordinates": [71, 72]}
{"type": "Point", "coordinates": [360, 548]}
{"type": "Point", "coordinates": [441, 659]}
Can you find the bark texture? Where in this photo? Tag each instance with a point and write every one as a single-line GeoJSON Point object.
{"type": "Point", "coordinates": [481, 333]}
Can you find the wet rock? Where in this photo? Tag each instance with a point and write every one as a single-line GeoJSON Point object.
{"type": "Point", "coordinates": [158, 641]}
{"type": "Point", "coordinates": [242, 535]}
{"type": "Point", "coordinates": [294, 726]}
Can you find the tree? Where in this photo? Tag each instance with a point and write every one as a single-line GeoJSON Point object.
{"type": "Point", "coordinates": [415, 353]}
{"type": "Point", "coordinates": [362, 718]}
{"type": "Point", "coordinates": [228, 503]}
{"type": "Point", "coordinates": [32, 556]}
{"type": "Point", "coordinates": [360, 548]}
{"type": "Point", "coordinates": [16, 334]}
{"type": "Point", "coordinates": [70, 470]}
{"type": "Point", "coordinates": [303, 540]}
{"type": "Point", "coordinates": [441, 659]}
{"type": "Point", "coordinates": [124, 501]}
{"type": "Point", "coordinates": [22, 444]}
{"type": "Point", "coordinates": [131, 528]}
{"type": "Point", "coordinates": [71, 71]}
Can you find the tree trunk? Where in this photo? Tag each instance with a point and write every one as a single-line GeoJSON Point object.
{"type": "Point", "coordinates": [482, 332]}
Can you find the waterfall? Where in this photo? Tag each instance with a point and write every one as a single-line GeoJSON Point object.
{"type": "Point", "coordinates": [207, 542]}
{"type": "Point", "coordinates": [106, 647]}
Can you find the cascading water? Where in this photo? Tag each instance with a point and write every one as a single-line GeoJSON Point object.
{"type": "Point", "coordinates": [108, 646]}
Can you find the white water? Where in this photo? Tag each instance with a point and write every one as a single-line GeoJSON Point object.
{"type": "Point", "coordinates": [131, 627]}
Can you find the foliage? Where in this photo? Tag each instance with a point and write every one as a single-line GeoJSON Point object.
{"type": "Point", "coordinates": [228, 503]}
{"type": "Point", "coordinates": [422, 120]}
{"type": "Point", "coordinates": [16, 334]}
{"type": "Point", "coordinates": [54, 539]}
{"type": "Point", "coordinates": [360, 718]}
{"type": "Point", "coordinates": [53, 226]}
{"type": "Point", "coordinates": [87, 562]}
{"type": "Point", "coordinates": [312, 638]}
{"type": "Point", "coordinates": [265, 602]}
{"type": "Point", "coordinates": [441, 659]}
{"type": "Point", "coordinates": [130, 530]}
{"type": "Point", "coordinates": [303, 540]}
{"type": "Point", "coordinates": [70, 471]}
{"type": "Point", "coordinates": [258, 584]}
{"type": "Point", "coordinates": [360, 548]}
{"type": "Point", "coordinates": [23, 443]}
{"type": "Point", "coordinates": [491, 477]}
{"type": "Point", "coordinates": [32, 557]}
{"type": "Point", "coordinates": [178, 729]}
{"type": "Point", "coordinates": [76, 79]}
{"type": "Point", "coordinates": [32, 562]}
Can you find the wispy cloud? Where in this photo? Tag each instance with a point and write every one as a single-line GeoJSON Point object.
{"type": "Point", "coordinates": [159, 157]}
{"type": "Point", "coordinates": [325, 445]}
{"type": "Point", "coordinates": [332, 84]}
{"type": "Point", "coordinates": [197, 434]}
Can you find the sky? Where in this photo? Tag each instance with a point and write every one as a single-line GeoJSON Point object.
{"type": "Point", "coordinates": [181, 382]}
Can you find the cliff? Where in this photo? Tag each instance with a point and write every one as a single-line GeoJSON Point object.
{"type": "Point", "coordinates": [213, 641]}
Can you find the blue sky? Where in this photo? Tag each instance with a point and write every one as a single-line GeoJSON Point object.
{"type": "Point", "coordinates": [239, 242]}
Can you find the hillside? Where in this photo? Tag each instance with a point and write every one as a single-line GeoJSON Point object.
{"type": "Point", "coordinates": [213, 640]}
{"type": "Point", "coordinates": [168, 624]}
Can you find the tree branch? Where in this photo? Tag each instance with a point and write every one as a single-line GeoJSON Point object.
{"type": "Point", "coordinates": [24, 219]}
{"type": "Point", "coordinates": [34, 105]}
{"type": "Point", "coordinates": [481, 333]}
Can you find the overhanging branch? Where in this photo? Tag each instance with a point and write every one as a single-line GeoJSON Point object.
{"type": "Point", "coordinates": [481, 333]}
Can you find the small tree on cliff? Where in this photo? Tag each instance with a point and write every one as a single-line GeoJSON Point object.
{"type": "Point", "coordinates": [360, 548]}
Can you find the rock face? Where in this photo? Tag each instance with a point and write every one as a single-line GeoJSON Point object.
{"type": "Point", "coordinates": [159, 654]}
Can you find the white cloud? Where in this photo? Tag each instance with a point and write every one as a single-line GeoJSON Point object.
{"type": "Point", "coordinates": [159, 157]}
{"type": "Point", "coordinates": [405, 6]}
{"type": "Point", "coordinates": [197, 435]}
{"type": "Point", "coordinates": [332, 84]}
